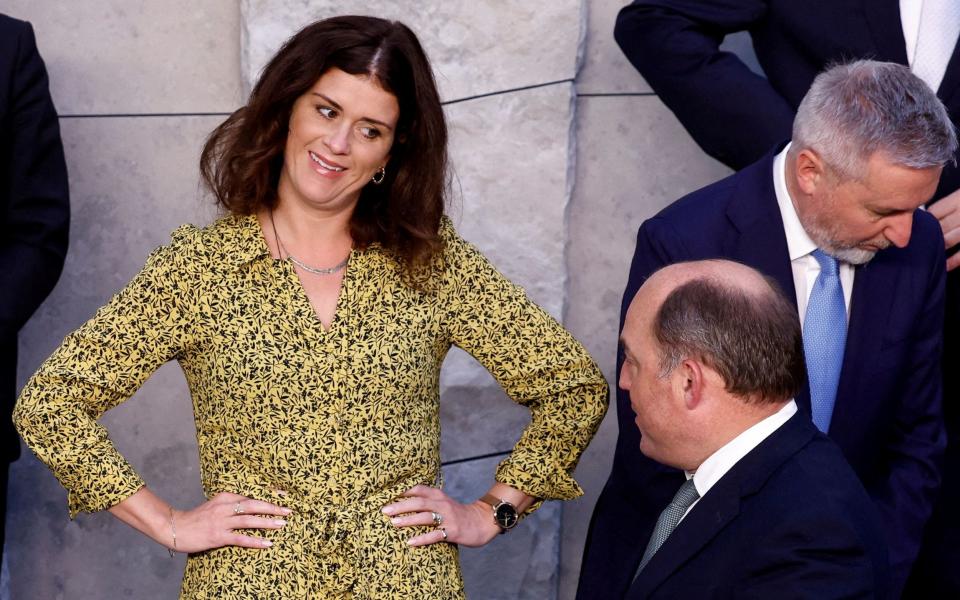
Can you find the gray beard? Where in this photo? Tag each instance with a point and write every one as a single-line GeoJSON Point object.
{"type": "Point", "coordinates": [826, 238]}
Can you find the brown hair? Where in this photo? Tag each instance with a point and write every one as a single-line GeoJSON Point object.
{"type": "Point", "coordinates": [242, 158]}
{"type": "Point", "coordinates": [753, 340]}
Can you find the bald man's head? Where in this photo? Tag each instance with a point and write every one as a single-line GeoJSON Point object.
{"type": "Point", "coordinates": [731, 318]}
{"type": "Point", "coordinates": [710, 348]}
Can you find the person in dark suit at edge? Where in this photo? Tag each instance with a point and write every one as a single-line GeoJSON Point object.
{"type": "Point", "coordinates": [833, 217]}
{"type": "Point", "coordinates": [34, 210]}
{"type": "Point", "coordinates": [736, 116]}
{"type": "Point", "coordinates": [713, 357]}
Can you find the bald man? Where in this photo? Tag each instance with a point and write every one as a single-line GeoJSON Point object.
{"type": "Point", "coordinates": [714, 356]}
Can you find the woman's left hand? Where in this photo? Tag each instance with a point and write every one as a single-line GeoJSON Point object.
{"type": "Point", "coordinates": [464, 524]}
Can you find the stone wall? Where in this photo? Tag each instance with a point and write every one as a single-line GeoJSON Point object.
{"type": "Point", "coordinates": [560, 150]}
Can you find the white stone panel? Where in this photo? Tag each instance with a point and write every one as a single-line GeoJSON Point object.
{"type": "Point", "coordinates": [140, 56]}
{"type": "Point", "coordinates": [476, 47]}
{"type": "Point", "coordinates": [510, 194]}
{"type": "Point", "coordinates": [605, 68]}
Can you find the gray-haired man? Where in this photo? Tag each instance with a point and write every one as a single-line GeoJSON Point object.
{"type": "Point", "coordinates": [833, 218]}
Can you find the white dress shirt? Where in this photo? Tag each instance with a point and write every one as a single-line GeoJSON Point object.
{"type": "Point", "coordinates": [911, 12]}
{"type": "Point", "coordinates": [910, 22]}
{"type": "Point", "coordinates": [721, 461]}
{"type": "Point", "coordinates": [799, 245]}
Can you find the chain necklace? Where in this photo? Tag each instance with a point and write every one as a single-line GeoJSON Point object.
{"type": "Point", "coordinates": [315, 270]}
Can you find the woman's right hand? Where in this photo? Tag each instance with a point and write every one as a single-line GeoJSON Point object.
{"type": "Point", "coordinates": [214, 523]}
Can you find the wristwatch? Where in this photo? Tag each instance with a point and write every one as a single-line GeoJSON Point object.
{"type": "Point", "coordinates": [504, 514]}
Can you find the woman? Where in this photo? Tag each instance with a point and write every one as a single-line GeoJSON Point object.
{"type": "Point", "coordinates": [311, 324]}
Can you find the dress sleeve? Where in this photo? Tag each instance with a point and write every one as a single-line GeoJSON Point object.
{"type": "Point", "coordinates": [97, 367]}
{"type": "Point", "coordinates": [535, 360]}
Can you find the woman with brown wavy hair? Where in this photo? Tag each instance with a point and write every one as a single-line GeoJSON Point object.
{"type": "Point", "coordinates": [311, 323]}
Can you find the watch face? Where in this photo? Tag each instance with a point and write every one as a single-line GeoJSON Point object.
{"type": "Point", "coordinates": [506, 515]}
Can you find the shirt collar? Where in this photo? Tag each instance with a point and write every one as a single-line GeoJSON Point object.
{"type": "Point", "coordinates": [243, 240]}
{"type": "Point", "coordinates": [721, 461]}
{"type": "Point", "coordinates": [798, 242]}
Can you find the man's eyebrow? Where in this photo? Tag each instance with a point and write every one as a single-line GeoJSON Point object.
{"type": "Point", "coordinates": [334, 104]}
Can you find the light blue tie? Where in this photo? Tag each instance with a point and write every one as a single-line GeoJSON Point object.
{"type": "Point", "coordinates": [824, 338]}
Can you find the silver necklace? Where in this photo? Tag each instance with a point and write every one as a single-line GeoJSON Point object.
{"type": "Point", "coordinates": [315, 270]}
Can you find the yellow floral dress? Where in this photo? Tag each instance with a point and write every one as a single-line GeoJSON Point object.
{"type": "Point", "coordinates": [344, 420]}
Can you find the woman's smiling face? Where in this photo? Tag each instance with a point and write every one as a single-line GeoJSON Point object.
{"type": "Point", "coordinates": [340, 133]}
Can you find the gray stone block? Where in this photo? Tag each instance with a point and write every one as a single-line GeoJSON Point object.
{"type": "Point", "coordinates": [605, 69]}
{"type": "Point", "coordinates": [121, 57]}
{"type": "Point", "coordinates": [475, 47]}
{"type": "Point", "coordinates": [512, 185]}
{"type": "Point", "coordinates": [132, 182]}
{"type": "Point", "coordinates": [519, 564]}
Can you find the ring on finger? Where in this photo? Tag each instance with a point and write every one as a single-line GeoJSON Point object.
{"type": "Point", "coordinates": [237, 509]}
{"type": "Point", "coordinates": [443, 533]}
{"type": "Point", "coordinates": [437, 518]}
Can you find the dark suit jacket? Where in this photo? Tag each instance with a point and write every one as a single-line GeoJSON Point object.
{"type": "Point", "coordinates": [34, 203]}
{"type": "Point", "coordinates": [887, 419]}
{"type": "Point", "coordinates": [736, 116]}
{"type": "Point", "coordinates": [789, 520]}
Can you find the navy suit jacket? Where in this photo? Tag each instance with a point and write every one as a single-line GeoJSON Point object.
{"type": "Point", "coordinates": [34, 204]}
{"type": "Point", "coordinates": [887, 419]}
{"type": "Point", "coordinates": [734, 114]}
{"type": "Point", "coordinates": [790, 519]}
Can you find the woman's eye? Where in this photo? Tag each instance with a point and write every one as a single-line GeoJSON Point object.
{"type": "Point", "coordinates": [370, 132]}
{"type": "Point", "coordinates": [327, 112]}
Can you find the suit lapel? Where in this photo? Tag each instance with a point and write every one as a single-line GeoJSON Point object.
{"type": "Point", "coordinates": [883, 16]}
{"type": "Point", "coordinates": [721, 504]}
{"type": "Point", "coordinates": [702, 524]}
{"type": "Point", "coordinates": [874, 287]}
{"type": "Point", "coordinates": [757, 238]}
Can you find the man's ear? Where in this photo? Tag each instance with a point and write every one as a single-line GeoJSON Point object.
{"type": "Point", "coordinates": [690, 379]}
{"type": "Point", "coordinates": [810, 171]}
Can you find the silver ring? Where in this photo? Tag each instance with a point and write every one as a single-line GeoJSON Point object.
{"type": "Point", "coordinates": [437, 518]}
{"type": "Point", "coordinates": [237, 509]}
{"type": "Point", "coordinates": [443, 532]}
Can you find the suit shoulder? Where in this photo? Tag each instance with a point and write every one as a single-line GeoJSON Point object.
{"type": "Point", "coordinates": [710, 200]}
{"type": "Point", "coordinates": [926, 231]}
{"type": "Point", "coordinates": [697, 218]}
{"type": "Point", "coordinates": [820, 474]}
{"type": "Point", "coordinates": [10, 25]}
{"type": "Point", "coordinates": [14, 32]}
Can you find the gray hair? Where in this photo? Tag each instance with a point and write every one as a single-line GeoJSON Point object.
{"type": "Point", "coordinates": [853, 110]}
{"type": "Point", "coordinates": [751, 339]}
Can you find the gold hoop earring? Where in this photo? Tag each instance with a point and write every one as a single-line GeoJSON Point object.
{"type": "Point", "coordinates": [379, 176]}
